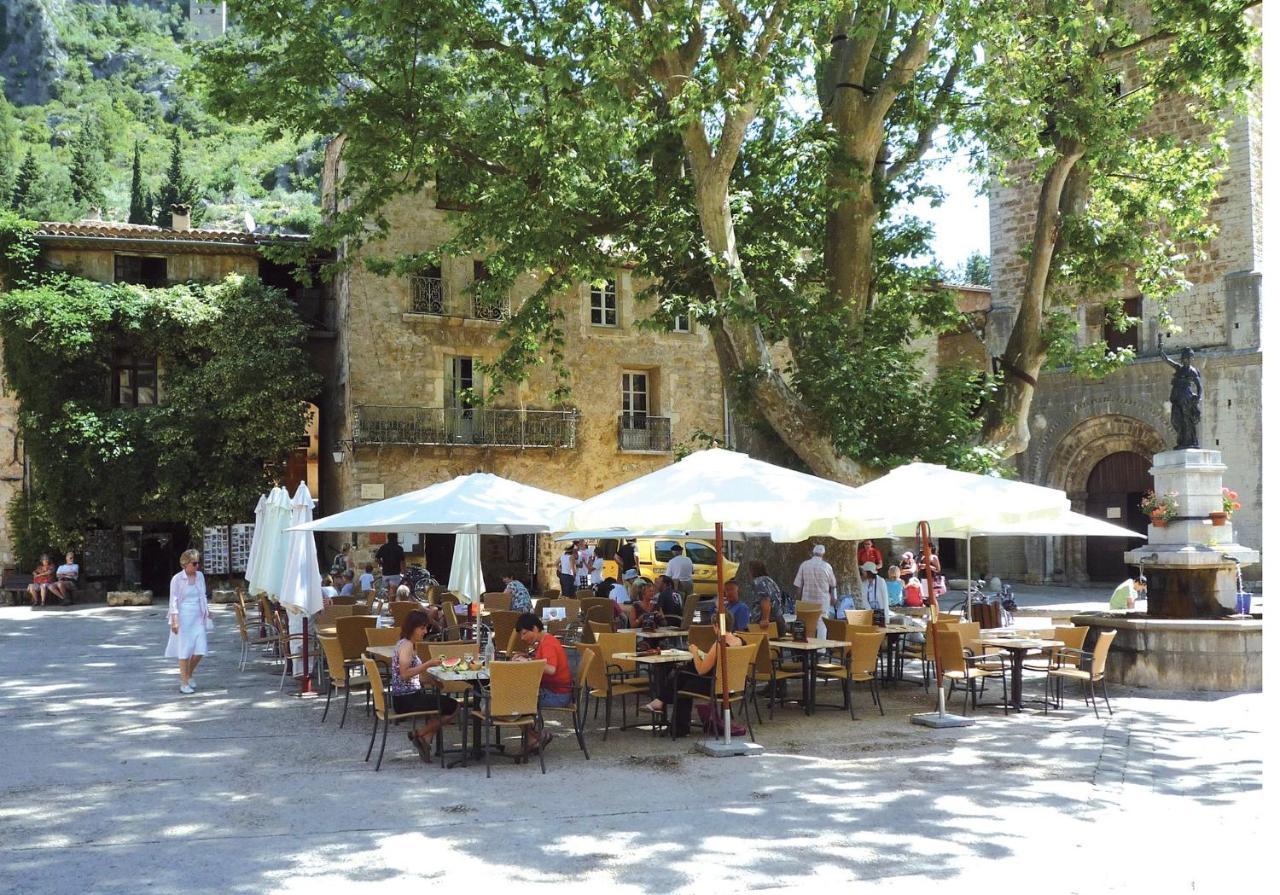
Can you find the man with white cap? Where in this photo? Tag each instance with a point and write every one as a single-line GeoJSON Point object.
{"type": "Point", "coordinates": [816, 580]}
{"type": "Point", "coordinates": [875, 591]}
{"type": "Point", "coordinates": [619, 593]}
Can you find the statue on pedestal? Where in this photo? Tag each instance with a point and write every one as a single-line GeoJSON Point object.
{"type": "Point", "coordinates": [1185, 394]}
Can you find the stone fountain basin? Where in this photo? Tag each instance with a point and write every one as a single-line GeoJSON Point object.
{"type": "Point", "coordinates": [1181, 654]}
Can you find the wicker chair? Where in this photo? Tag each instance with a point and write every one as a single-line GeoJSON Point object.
{"type": "Point", "coordinates": [247, 640]}
{"type": "Point", "coordinates": [608, 680]}
{"type": "Point", "coordinates": [510, 701]}
{"type": "Point", "coordinates": [382, 712]}
{"type": "Point", "coordinates": [341, 679]}
{"type": "Point", "coordinates": [972, 671]}
{"type": "Point", "coordinates": [577, 708]}
{"type": "Point", "coordinates": [739, 660]}
{"type": "Point", "coordinates": [1090, 670]}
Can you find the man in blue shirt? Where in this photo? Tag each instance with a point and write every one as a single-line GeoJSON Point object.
{"type": "Point", "coordinates": [737, 611]}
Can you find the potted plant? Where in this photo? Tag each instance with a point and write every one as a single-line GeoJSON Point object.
{"type": "Point", "coordinates": [1161, 508]}
{"type": "Point", "coordinates": [1230, 503]}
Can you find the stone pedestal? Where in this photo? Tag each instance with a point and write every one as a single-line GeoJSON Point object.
{"type": "Point", "coordinates": [1191, 564]}
{"type": "Point", "coordinates": [129, 598]}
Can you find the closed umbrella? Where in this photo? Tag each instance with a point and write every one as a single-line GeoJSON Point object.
{"type": "Point", "coordinates": [268, 535]}
{"type": "Point", "coordinates": [300, 579]}
{"type": "Point", "coordinates": [465, 575]}
{"type": "Point", "coordinates": [250, 565]}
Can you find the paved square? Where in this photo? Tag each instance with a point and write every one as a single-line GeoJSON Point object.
{"type": "Point", "coordinates": [114, 782]}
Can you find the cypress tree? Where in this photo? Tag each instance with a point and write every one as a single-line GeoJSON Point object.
{"type": "Point", "coordinates": [177, 188]}
{"type": "Point", "coordinates": [6, 176]}
{"type": "Point", "coordinates": [86, 192]}
{"type": "Point", "coordinates": [26, 189]}
{"type": "Point", "coordinates": [139, 201]}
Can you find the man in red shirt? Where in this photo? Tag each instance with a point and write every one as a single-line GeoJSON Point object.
{"type": "Point", "coordinates": [557, 682]}
{"type": "Point", "coordinates": [869, 552]}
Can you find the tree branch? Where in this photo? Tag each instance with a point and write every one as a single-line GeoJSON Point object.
{"type": "Point", "coordinates": [907, 63]}
{"type": "Point", "coordinates": [924, 137]}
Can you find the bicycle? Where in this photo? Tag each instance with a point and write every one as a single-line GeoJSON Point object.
{"type": "Point", "coordinates": [977, 593]}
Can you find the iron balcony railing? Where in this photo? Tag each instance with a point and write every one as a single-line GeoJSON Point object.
{"type": "Point", "coordinates": [427, 295]}
{"type": "Point", "coordinates": [487, 426]}
{"type": "Point", "coordinates": [644, 433]}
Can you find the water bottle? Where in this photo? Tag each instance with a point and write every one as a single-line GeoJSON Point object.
{"type": "Point", "coordinates": [488, 650]}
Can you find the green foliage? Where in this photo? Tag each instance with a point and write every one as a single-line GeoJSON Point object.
{"type": "Point", "coordinates": [126, 73]}
{"type": "Point", "coordinates": [233, 380]}
{"type": "Point", "coordinates": [28, 187]}
{"type": "Point", "coordinates": [34, 532]}
{"type": "Point", "coordinates": [177, 188]}
{"type": "Point", "coordinates": [86, 169]}
{"type": "Point", "coordinates": [140, 203]}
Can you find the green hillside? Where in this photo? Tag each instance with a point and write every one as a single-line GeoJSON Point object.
{"type": "Point", "coordinates": [84, 82]}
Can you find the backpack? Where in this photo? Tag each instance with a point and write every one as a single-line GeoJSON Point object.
{"type": "Point", "coordinates": [713, 722]}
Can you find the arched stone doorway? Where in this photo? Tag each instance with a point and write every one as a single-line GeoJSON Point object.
{"type": "Point", "coordinates": [1071, 464]}
{"type": "Point", "coordinates": [1115, 487]}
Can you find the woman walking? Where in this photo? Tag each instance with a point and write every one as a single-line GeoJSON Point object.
{"type": "Point", "coordinates": [188, 619]}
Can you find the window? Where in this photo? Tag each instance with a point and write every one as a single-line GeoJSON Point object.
{"type": "Point", "coordinates": [604, 303]}
{"type": "Point", "coordinates": [426, 292]}
{"type": "Point", "coordinates": [484, 304]}
{"type": "Point", "coordinates": [662, 551]}
{"type": "Point", "coordinates": [699, 554]}
{"type": "Point", "coordinates": [1116, 339]}
{"type": "Point", "coordinates": [635, 400]}
{"type": "Point", "coordinates": [141, 270]}
{"type": "Point", "coordinates": [460, 376]}
{"type": "Point", "coordinates": [133, 380]}
{"type": "Point", "coordinates": [682, 324]}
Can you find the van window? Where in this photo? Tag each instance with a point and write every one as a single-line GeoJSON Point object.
{"type": "Point", "coordinates": [662, 550]}
{"type": "Point", "coordinates": [700, 554]}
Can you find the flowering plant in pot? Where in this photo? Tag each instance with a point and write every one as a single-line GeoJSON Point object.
{"type": "Point", "coordinates": [1230, 503]}
{"type": "Point", "coordinates": [1160, 507]}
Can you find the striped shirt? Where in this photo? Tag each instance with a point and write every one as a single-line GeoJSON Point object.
{"type": "Point", "coordinates": [815, 578]}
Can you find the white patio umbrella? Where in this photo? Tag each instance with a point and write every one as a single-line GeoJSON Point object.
{"type": "Point", "coordinates": [300, 578]}
{"type": "Point", "coordinates": [250, 564]}
{"type": "Point", "coordinates": [942, 502]}
{"type": "Point", "coordinates": [269, 570]}
{"type": "Point", "coordinates": [465, 575]}
{"type": "Point", "coordinates": [480, 503]}
{"type": "Point", "coordinates": [724, 490]}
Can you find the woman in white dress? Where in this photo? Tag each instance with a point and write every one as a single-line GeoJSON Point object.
{"type": "Point", "coordinates": [188, 619]}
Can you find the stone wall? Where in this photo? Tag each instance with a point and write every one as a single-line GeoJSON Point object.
{"type": "Point", "coordinates": [388, 355]}
{"type": "Point", "coordinates": [1072, 420]}
{"type": "Point", "coordinates": [205, 267]}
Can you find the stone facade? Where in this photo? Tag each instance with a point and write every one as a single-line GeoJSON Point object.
{"type": "Point", "coordinates": [394, 393]}
{"type": "Point", "coordinates": [1075, 423]}
{"type": "Point", "coordinates": [113, 251]}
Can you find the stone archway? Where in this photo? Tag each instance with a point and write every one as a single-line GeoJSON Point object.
{"type": "Point", "coordinates": [1075, 456]}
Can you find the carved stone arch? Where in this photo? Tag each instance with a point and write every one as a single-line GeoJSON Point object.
{"type": "Point", "coordinates": [1072, 459]}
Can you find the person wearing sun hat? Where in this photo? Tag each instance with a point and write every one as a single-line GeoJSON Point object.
{"type": "Point", "coordinates": [874, 590]}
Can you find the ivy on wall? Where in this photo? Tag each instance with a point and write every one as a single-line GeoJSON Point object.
{"type": "Point", "coordinates": [234, 382]}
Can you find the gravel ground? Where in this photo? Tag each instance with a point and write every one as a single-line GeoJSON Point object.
{"type": "Point", "coordinates": [113, 781]}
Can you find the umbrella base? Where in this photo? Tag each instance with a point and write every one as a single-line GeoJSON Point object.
{"type": "Point", "coordinates": [720, 749]}
{"type": "Point", "coordinates": [941, 719]}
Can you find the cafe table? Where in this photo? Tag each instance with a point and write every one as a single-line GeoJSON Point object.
{"type": "Point", "coordinates": [894, 634]}
{"type": "Point", "coordinates": [477, 678]}
{"type": "Point", "coordinates": [1017, 647]}
{"type": "Point", "coordinates": [655, 634]}
{"type": "Point", "coordinates": [653, 661]}
{"type": "Point", "coordinates": [808, 650]}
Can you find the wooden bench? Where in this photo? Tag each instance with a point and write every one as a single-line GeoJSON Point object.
{"type": "Point", "coordinates": [14, 588]}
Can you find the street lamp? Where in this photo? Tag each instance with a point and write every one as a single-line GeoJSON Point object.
{"type": "Point", "coordinates": [340, 452]}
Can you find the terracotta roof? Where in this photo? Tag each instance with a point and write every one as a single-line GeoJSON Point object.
{"type": "Point", "coordinates": [121, 230]}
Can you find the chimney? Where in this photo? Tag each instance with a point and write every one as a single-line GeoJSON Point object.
{"type": "Point", "coordinates": [93, 214]}
{"type": "Point", "coordinates": [181, 216]}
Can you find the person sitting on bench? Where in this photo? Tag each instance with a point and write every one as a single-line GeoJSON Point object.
{"type": "Point", "coordinates": [68, 575]}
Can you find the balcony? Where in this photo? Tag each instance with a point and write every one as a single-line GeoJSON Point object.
{"type": "Point", "coordinates": [427, 295]}
{"type": "Point", "coordinates": [482, 426]}
{"type": "Point", "coordinates": [644, 433]}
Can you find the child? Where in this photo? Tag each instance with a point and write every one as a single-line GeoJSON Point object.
{"type": "Point", "coordinates": [366, 578]}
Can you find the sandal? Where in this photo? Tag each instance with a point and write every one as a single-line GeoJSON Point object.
{"type": "Point", "coordinates": [423, 745]}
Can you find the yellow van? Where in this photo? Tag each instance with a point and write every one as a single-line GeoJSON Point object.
{"type": "Point", "coordinates": [652, 555]}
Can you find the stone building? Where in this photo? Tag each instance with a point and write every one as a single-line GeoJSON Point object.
{"type": "Point", "coordinates": [208, 18]}
{"type": "Point", "coordinates": [111, 251]}
{"type": "Point", "coordinates": [1095, 440]}
{"type": "Point", "coordinates": [409, 348]}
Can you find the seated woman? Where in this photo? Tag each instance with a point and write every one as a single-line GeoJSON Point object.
{"type": "Point", "coordinates": [42, 585]}
{"type": "Point", "coordinates": [646, 605]}
{"type": "Point", "coordinates": [908, 565]}
{"type": "Point", "coordinates": [772, 605]}
{"type": "Point", "coordinates": [407, 692]}
{"type": "Point", "coordinates": [697, 676]}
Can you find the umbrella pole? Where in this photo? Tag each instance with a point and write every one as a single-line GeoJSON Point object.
{"type": "Point", "coordinates": [968, 574]}
{"type": "Point", "coordinates": [941, 719]}
{"type": "Point", "coordinates": [306, 660]}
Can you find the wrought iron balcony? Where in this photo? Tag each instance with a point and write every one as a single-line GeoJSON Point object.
{"type": "Point", "coordinates": [487, 426]}
{"type": "Point", "coordinates": [427, 295]}
{"type": "Point", "coordinates": [644, 433]}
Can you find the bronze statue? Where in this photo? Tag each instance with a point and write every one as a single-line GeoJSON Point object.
{"type": "Point", "coordinates": [1185, 393]}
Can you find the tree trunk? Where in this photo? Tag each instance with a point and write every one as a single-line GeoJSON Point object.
{"type": "Point", "coordinates": [1005, 427]}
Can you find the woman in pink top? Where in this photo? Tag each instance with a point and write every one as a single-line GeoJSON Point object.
{"type": "Point", "coordinates": [188, 619]}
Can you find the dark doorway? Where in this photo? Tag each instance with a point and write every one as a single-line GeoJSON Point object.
{"type": "Point", "coordinates": [438, 553]}
{"type": "Point", "coordinates": [1115, 491]}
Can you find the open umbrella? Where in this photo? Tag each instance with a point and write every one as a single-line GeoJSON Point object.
{"type": "Point", "coordinates": [480, 503]}
{"type": "Point", "coordinates": [934, 501]}
{"type": "Point", "coordinates": [300, 579]}
{"type": "Point", "coordinates": [724, 490]}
